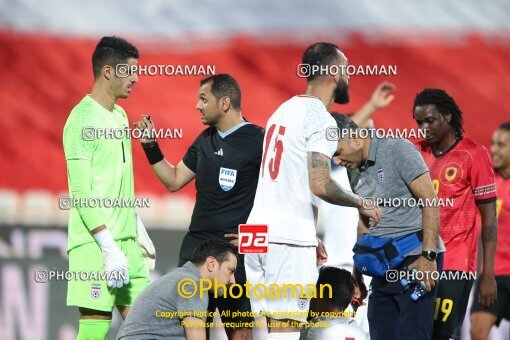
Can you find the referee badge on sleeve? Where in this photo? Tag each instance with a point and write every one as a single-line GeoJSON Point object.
{"type": "Point", "coordinates": [227, 178]}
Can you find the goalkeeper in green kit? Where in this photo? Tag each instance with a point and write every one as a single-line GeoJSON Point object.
{"type": "Point", "coordinates": [103, 239]}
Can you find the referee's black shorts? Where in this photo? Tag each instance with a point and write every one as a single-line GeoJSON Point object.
{"type": "Point", "coordinates": [228, 306]}
{"type": "Point", "coordinates": [451, 304]}
{"type": "Point", "coordinates": [500, 309]}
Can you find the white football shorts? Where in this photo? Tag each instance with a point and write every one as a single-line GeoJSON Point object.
{"type": "Point", "coordinates": [283, 264]}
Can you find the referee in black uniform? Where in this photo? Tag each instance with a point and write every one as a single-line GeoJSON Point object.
{"type": "Point", "coordinates": [225, 160]}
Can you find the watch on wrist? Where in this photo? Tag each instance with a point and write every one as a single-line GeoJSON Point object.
{"type": "Point", "coordinates": [430, 255]}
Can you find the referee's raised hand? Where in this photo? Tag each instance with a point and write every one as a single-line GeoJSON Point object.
{"type": "Point", "coordinates": [147, 127]}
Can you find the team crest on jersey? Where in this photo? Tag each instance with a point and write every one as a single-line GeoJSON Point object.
{"type": "Point", "coordinates": [380, 175]}
{"type": "Point", "coordinates": [95, 291]}
{"type": "Point", "coordinates": [451, 174]}
{"type": "Point", "coordinates": [227, 178]}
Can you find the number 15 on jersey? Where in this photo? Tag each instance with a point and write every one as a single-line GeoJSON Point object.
{"type": "Point", "coordinates": [274, 137]}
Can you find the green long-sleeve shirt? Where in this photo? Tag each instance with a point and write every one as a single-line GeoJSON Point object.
{"type": "Point", "coordinates": [99, 172]}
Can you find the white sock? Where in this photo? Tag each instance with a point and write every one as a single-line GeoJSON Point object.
{"type": "Point", "coordinates": [284, 336]}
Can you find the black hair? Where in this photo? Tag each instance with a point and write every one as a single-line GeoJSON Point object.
{"type": "Point", "coordinates": [444, 104]}
{"type": "Point", "coordinates": [224, 85]}
{"type": "Point", "coordinates": [219, 249]}
{"type": "Point", "coordinates": [346, 125]}
{"type": "Point", "coordinates": [344, 122]}
{"type": "Point", "coordinates": [112, 51]}
{"type": "Point", "coordinates": [505, 126]}
{"type": "Point", "coordinates": [342, 286]}
{"type": "Point", "coordinates": [321, 53]}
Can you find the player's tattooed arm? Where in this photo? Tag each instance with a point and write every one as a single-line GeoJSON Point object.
{"type": "Point", "coordinates": [323, 186]}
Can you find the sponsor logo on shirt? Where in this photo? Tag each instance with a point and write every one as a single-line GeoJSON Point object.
{"type": "Point", "coordinates": [227, 178]}
{"type": "Point", "coordinates": [219, 152]}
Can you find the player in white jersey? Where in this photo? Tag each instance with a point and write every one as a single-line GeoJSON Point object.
{"type": "Point", "coordinates": [295, 169]}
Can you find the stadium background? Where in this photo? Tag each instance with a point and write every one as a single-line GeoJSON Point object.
{"type": "Point", "coordinates": [45, 63]}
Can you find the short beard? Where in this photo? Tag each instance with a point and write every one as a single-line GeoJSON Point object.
{"type": "Point", "coordinates": [212, 121]}
{"type": "Point", "coordinates": [341, 93]}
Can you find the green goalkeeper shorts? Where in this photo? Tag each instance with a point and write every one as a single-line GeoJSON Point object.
{"type": "Point", "coordinates": [90, 291]}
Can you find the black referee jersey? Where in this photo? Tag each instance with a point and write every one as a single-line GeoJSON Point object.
{"type": "Point", "coordinates": [227, 169]}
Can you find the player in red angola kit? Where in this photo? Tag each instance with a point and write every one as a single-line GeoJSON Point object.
{"type": "Point", "coordinates": [461, 171]}
{"type": "Point", "coordinates": [482, 319]}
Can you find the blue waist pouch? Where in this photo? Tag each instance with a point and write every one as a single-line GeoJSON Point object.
{"type": "Point", "coordinates": [373, 256]}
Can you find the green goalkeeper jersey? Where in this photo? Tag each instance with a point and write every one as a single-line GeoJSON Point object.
{"type": "Point", "coordinates": [99, 172]}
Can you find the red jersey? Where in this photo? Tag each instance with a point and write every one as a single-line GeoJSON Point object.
{"type": "Point", "coordinates": [502, 264]}
{"type": "Point", "coordinates": [463, 174]}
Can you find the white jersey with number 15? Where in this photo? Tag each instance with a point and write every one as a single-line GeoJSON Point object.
{"type": "Point", "coordinates": [284, 200]}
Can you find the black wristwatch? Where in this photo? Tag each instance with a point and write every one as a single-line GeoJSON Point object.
{"type": "Point", "coordinates": [430, 255]}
